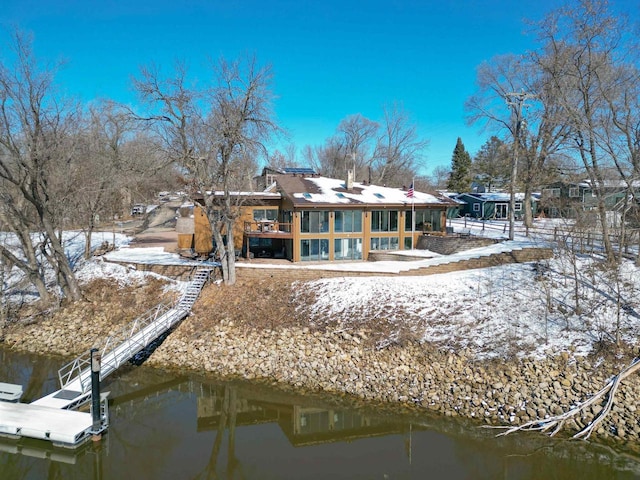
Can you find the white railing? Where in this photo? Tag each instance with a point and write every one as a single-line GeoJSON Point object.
{"type": "Point", "coordinates": [130, 340]}
{"type": "Point", "coordinates": [81, 365]}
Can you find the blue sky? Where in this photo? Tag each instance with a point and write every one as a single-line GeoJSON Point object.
{"type": "Point", "coordinates": [330, 58]}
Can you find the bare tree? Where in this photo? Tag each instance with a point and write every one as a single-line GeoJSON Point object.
{"type": "Point", "coordinates": [358, 136]}
{"type": "Point", "coordinates": [399, 149]}
{"type": "Point", "coordinates": [582, 45]}
{"type": "Point", "coordinates": [18, 221]}
{"type": "Point", "coordinates": [330, 159]}
{"type": "Point", "coordinates": [112, 164]}
{"type": "Point", "coordinates": [35, 128]}
{"type": "Point", "coordinates": [285, 158]}
{"type": "Point", "coordinates": [439, 177]}
{"type": "Point", "coordinates": [620, 140]}
{"type": "Point", "coordinates": [388, 152]}
{"type": "Point", "coordinates": [352, 146]}
{"type": "Point", "coordinates": [96, 173]}
{"type": "Point", "coordinates": [215, 134]}
{"type": "Point", "coordinates": [541, 130]}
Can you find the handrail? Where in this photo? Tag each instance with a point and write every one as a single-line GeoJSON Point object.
{"type": "Point", "coordinates": [264, 226]}
{"type": "Point", "coordinates": [132, 338]}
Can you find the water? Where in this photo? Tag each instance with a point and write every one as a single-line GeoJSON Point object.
{"type": "Point", "coordinates": [165, 426]}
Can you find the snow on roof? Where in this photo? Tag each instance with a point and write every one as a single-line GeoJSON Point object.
{"type": "Point", "coordinates": [333, 191]}
{"type": "Point", "coordinates": [613, 183]}
{"type": "Point", "coordinates": [495, 196]}
{"type": "Point", "coordinates": [263, 194]}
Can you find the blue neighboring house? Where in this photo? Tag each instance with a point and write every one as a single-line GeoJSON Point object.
{"type": "Point", "coordinates": [492, 206]}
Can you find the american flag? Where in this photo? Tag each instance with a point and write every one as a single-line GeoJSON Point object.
{"type": "Point", "coordinates": [410, 191]}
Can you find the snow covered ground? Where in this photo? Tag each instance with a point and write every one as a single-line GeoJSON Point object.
{"type": "Point", "coordinates": [495, 312]}
{"type": "Point", "coordinates": [521, 309]}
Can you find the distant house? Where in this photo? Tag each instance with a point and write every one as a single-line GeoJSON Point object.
{"type": "Point", "coordinates": [564, 199]}
{"type": "Point", "coordinates": [567, 199]}
{"type": "Point", "coordinates": [492, 206]}
{"type": "Point", "coordinates": [269, 174]}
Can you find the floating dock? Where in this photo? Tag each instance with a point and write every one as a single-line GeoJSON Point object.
{"type": "Point", "coordinates": [10, 392]}
{"type": "Point", "coordinates": [65, 427]}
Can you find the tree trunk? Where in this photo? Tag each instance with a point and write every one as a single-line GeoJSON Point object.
{"type": "Point", "coordinates": [221, 251]}
{"type": "Point", "coordinates": [528, 212]}
{"type": "Point", "coordinates": [231, 254]}
{"type": "Point", "coordinates": [30, 268]}
{"type": "Point", "coordinates": [604, 225]}
{"type": "Point", "coordinates": [557, 421]}
{"type": "Point", "coordinates": [3, 299]}
{"type": "Point", "coordinates": [88, 233]}
{"type": "Point", "coordinates": [69, 284]}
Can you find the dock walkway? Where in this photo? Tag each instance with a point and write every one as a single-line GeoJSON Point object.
{"type": "Point", "coordinates": [52, 417]}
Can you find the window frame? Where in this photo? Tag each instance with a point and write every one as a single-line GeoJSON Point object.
{"type": "Point", "coordinates": [355, 221]}
{"type": "Point", "coordinates": [353, 244]}
{"type": "Point", "coordinates": [384, 243]}
{"type": "Point", "coordinates": [266, 214]}
{"type": "Point", "coordinates": [314, 244]}
{"type": "Point", "coordinates": [314, 221]}
{"type": "Point", "coordinates": [385, 220]}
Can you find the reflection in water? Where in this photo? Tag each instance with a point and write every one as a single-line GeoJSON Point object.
{"type": "Point", "coordinates": [163, 426]}
{"type": "Point", "coordinates": [302, 425]}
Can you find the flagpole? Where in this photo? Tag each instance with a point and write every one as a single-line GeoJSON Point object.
{"type": "Point", "coordinates": [413, 214]}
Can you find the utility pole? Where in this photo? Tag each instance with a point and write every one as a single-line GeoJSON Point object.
{"type": "Point", "coordinates": [515, 100]}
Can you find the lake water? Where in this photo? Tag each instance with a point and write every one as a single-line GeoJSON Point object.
{"type": "Point", "coordinates": [165, 426]}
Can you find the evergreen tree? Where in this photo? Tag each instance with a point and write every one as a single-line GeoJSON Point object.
{"type": "Point", "coordinates": [491, 165]}
{"type": "Point", "coordinates": [460, 179]}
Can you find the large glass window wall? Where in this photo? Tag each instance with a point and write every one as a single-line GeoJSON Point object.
{"type": "Point", "coordinates": [347, 221]}
{"type": "Point", "coordinates": [314, 221]}
{"type": "Point", "coordinates": [347, 249]}
{"type": "Point", "coordinates": [262, 214]}
{"type": "Point", "coordinates": [426, 220]}
{"type": "Point", "coordinates": [384, 220]}
{"type": "Point", "coordinates": [384, 243]}
{"type": "Point", "coordinates": [314, 249]}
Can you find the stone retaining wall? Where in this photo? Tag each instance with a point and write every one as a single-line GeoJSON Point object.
{"type": "Point", "coordinates": [390, 256]}
{"type": "Point", "coordinates": [447, 245]}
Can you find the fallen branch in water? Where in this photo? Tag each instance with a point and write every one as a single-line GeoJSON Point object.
{"type": "Point", "coordinates": [556, 422]}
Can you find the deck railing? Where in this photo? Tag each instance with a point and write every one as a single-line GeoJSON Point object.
{"type": "Point", "coordinates": [267, 226]}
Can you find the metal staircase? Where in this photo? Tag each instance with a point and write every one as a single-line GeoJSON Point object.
{"type": "Point", "coordinates": [192, 292]}
{"type": "Point", "coordinates": [123, 345]}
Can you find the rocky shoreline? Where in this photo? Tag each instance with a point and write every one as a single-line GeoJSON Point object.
{"type": "Point", "coordinates": [493, 392]}
{"type": "Point", "coordinates": [412, 375]}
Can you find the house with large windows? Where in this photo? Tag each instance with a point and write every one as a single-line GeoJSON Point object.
{"type": "Point", "coordinates": [326, 219]}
